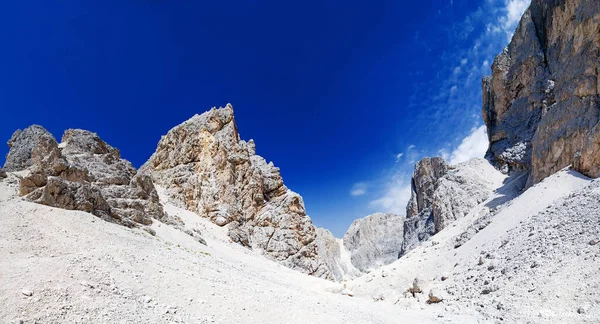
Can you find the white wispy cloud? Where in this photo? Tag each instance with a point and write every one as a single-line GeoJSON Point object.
{"type": "Point", "coordinates": [394, 199]}
{"type": "Point", "coordinates": [358, 189]}
{"type": "Point", "coordinates": [454, 98]}
{"type": "Point", "coordinates": [473, 146]}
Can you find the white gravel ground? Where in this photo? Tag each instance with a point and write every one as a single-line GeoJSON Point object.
{"type": "Point", "coordinates": [535, 262]}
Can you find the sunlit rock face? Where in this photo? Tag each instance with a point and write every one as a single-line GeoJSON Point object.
{"type": "Point", "coordinates": [541, 104]}
{"type": "Point", "coordinates": [374, 241]}
{"type": "Point", "coordinates": [82, 173]}
{"type": "Point", "coordinates": [205, 167]}
{"type": "Point", "coordinates": [443, 193]}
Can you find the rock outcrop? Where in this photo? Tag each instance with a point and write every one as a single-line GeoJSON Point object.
{"type": "Point", "coordinates": [541, 105]}
{"type": "Point", "coordinates": [374, 241]}
{"type": "Point", "coordinates": [206, 168]}
{"type": "Point", "coordinates": [419, 224]}
{"type": "Point", "coordinates": [21, 146]}
{"type": "Point", "coordinates": [336, 257]}
{"type": "Point", "coordinates": [442, 193]}
{"type": "Point", "coordinates": [82, 173]}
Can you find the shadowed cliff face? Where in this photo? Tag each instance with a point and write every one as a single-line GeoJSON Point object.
{"type": "Point", "coordinates": [541, 104]}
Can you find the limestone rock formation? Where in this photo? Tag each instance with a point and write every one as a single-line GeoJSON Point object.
{"type": "Point", "coordinates": [442, 193]}
{"type": "Point", "coordinates": [82, 173]}
{"type": "Point", "coordinates": [336, 257]}
{"type": "Point", "coordinates": [206, 168]}
{"type": "Point", "coordinates": [374, 241]}
{"type": "Point", "coordinates": [419, 224]}
{"type": "Point", "coordinates": [21, 145]}
{"type": "Point", "coordinates": [541, 105]}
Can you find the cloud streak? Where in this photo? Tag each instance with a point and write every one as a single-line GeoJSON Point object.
{"type": "Point", "coordinates": [359, 189]}
{"type": "Point", "coordinates": [450, 105]}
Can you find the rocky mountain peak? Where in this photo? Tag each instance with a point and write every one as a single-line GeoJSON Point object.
{"type": "Point", "coordinates": [541, 103]}
{"type": "Point", "coordinates": [205, 167]}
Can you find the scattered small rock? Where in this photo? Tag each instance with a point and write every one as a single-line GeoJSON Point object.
{"type": "Point", "coordinates": [416, 288]}
{"type": "Point", "coordinates": [149, 230]}
{"type": "Point", "coordinates": [378, 297]}
{"type": "Point", "coordinates": [594, 242]}
{"type": "Point", "coordinates": [27, 292]}
{"type": "Point", "coordinates": [481, 261]}
{"type": "Point", "coordinates": [434, 297]}
{"type": "Point", "coordinates": [347, 292]}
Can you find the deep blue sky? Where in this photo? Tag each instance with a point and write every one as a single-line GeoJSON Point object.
{"type": "Point", "coordinates": [332, 92]}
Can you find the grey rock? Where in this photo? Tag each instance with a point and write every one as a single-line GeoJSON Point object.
{"type": "Point", "coordinates": [374, 241]}
{"type": "Point", "coordinates": [2, 173]}
{"type": "Point", "coordinates": [541, 103]}
{"type": "Point", "coordinates": [84, 173]}
{"type": "Point", "coordinates": [21, 145]}
{"type": "Point", "coordinates": [419, 224]}
{"type": "Point", "coordinates": [442, 194]}
{"type": "Point", "coordinates": [331, 250]}
{"type": "Point", "coordinates": [206, 168]}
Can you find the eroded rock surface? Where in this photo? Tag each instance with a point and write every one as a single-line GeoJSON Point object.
{"type": "Point", "coordinates": [336, 257]}
{"type": "Point", "coordinates": [443, 193]}
{"type": "Point", "coordinates": [82, 173]}
{"type": "Point", "coordinates": [206, 168]}
{"type": "Point", "coordinates": [374, 241]}
{"type": "Point", "coordinates": [541, 105]}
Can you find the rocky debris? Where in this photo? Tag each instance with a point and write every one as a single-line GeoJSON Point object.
{"type": "Point", "coordinates": [541, 103]}
{"type": "Point", "coordinates": [434, 297]}
{"type": "Point", "coordinates": [332, 251]}
{"type": "Point", "coordinates": [441, 194]}
{"type": "Point", "coordinates": [544, 249]}
{"type": "Point", "coordinates": [206, 168]}
{"type": "Point", "coordinates": [417, 288]}
{"type": "Point", "coordinates": [27, 292]}
{"type": "Point", "coordinates": [346, 291]}
{"type": "Point", "coordinates": [374, 241]}
{"type": "Point", "coordinates": [2, 173]}
{"type": "Point", "coordinates": [82, 173]}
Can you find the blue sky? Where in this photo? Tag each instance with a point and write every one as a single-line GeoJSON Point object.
{"type": "Point", "coordinates": [343, 96]}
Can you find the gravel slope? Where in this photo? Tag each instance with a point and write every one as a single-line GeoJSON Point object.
{"type": "Point", "coordinates": [80, 269]}
{"type": "Point", "coordinates": [536, 261]}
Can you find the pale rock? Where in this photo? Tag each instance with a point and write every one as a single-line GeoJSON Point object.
{"type": "Point", "coordinates": [21, 144]}
{"type": "Point", "coordinates": [333, 252]}
{"type": "Point", "coordinates": [83, 173]}
{"type": "Point", "coordinates": [206, 168]}
{"type": "Point", "coordinates": [374, 241]}
{"type": "Point", "coordinates": [442, 193]}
